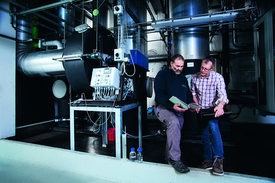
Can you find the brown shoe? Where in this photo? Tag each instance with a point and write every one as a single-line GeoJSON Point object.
{"type": "Point", "coordinates": [206, 165]}
{"type": "Point", "coordinates": [218, 166]}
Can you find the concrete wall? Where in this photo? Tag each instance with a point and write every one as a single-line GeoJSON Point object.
{"type": "Point", "coordinates": [7, 73]}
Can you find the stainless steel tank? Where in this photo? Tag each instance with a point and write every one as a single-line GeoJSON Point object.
{"type": "Point", "coordinates": [192, 43]}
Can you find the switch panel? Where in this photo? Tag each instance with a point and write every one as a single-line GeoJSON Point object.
{"type": "Point", "coordinates": [119, 54]}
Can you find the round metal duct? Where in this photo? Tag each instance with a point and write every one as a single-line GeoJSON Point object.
{"type": "Point", "coordinates": [39, 63]}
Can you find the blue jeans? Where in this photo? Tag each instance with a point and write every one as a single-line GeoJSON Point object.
{"type": "Point", "coordinates": [216, 148]}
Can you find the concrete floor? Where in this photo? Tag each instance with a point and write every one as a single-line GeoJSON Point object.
{"type": "Point", "coordinates": [30, 163]}
{"type": "Point", "coordinates": [247, 151]}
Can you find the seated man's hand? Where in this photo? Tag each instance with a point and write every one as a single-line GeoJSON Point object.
{"type": "Point", "coordinates": [195, 110]}
{"type": "Point", "coordinates": [218, 111]}
{"type": "Point", "coordinates": [178, 108]}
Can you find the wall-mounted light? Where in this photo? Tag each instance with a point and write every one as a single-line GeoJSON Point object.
{"type": "Point", "coordinates": [81, 28]}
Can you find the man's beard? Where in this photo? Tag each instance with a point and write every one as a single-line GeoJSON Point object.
{"type": "Point", "coordinates": [177, 72]}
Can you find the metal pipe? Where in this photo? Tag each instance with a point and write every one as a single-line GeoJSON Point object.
{"type": "Point", "coordinates": [34, 124]}
{"type": "Point", "coordinates": [43, 17]}
{"type": "Point", "coordinates": [60, 19]}
{"type": "Point", "coordinates": [41, 8]}
{"type": "Point", "coordinates": [40, 63]}
{"type": "Point", "coordinates": [86, 13]}
{"type": "Point", "coordinates": [33, 63]}
{"type": "Point", "coordinates": [53, 43]}
{"type": "Point", "coordinates": [8, 37]}
{"type": "Point", "coordinates": [49, 20]}
{"type": "Point", "coordinates": [198, 20]}
{"type": "Point", "coordinates": [234, 35]}
{"type": "Point", "coordinates": [138, 46]}
{"type": "Point", "coordinates": [139, 126]}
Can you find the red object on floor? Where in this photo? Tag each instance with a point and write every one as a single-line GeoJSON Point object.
{"type": "Point", "coordinates": [111, 134]}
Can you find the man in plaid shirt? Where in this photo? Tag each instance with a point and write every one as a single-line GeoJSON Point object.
{"type": "Point", "coordinates": [208, 90]}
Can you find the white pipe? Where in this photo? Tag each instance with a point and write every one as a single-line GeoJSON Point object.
{"type": "Point", "coordinates": [53, 43]}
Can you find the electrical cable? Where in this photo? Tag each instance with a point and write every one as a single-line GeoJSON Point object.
{"type": "Point", "coordinates": [133, 66]}
{"type": "Point", "coordinates": [238, 113]}
{"type": "Point", "coordinates": [84, 97]}
{"type": "Point", "coordinates": [136, 137]}
{"type": "Point", "coordinates": [100, 4]}
{"type": "Point", "coordinates": [94, 129]}
{"type": "Point", "coordinates": [122, 68]}
{"type": "Point", "coordinates": [251, 12]}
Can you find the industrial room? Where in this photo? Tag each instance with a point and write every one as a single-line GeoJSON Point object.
{"type": "Point", "coordinates": [51, 52]}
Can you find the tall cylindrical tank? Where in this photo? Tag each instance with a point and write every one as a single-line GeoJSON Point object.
{"type": "Point", "coordinates": [192, 43]}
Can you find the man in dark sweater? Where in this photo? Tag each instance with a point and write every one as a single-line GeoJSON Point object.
{"type": "Point", "coordinates": [172, 82]}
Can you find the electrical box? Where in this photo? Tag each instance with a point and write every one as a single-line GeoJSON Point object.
{"type": "Point", "coordinates": [105, 77]}
{"type": "Point", "coordinates": [119, 54]}
{"type": "Point", "coordinates": [118, 10]}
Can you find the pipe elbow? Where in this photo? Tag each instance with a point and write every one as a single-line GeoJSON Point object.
{"type": "Point", "coordinates": [53, 43]}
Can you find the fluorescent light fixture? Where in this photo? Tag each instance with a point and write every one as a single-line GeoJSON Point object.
{"type": "Point", "coordinates": [200, 20]}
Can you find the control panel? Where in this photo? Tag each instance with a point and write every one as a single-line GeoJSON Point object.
{"type": "Point", "coordinates": [105, 77]}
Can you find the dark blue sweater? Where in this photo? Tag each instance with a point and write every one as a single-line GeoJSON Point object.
{"type": "Point", "coordinates": [168, 84]}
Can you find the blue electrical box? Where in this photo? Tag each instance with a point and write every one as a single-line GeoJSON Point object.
{"type": "Point", "coordinates": [138, 58]}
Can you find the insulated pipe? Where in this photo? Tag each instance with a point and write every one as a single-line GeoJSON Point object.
{"type": "Point", "coordinates": [33, 63]}
{"type": "Point", "coordinates": [40, 63]}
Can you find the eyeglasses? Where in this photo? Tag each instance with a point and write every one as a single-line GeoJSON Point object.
{"type": "Point", "coordinates": [205, 69]}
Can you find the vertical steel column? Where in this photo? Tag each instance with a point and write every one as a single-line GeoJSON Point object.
{"type": "Point", "coordinates": [72, 130]}
{"type": "Point", "coordinates": [225, 54]}
{"type": "Point", "coordinates": [139, 126]}
{"type": "Point", "coordinates": [119, 122]}
{"type": "Point", "coordinates": [138, 46]}
{"type": "Point", "coordinates": [104, 129]}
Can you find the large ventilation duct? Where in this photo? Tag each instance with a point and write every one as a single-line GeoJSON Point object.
{"type": "Point", "coordinates": [33, 63]}
{"type": "Point", "coordinates": [192, 43]}
{"type": "Point", "coordinates": [40, 63]}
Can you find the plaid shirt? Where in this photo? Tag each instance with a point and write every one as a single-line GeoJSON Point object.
{"type": "Point", "coordinates": [209, 91]}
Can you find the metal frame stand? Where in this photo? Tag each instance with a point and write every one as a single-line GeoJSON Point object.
{"type": "Point", "coordinates": [118, 122]}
